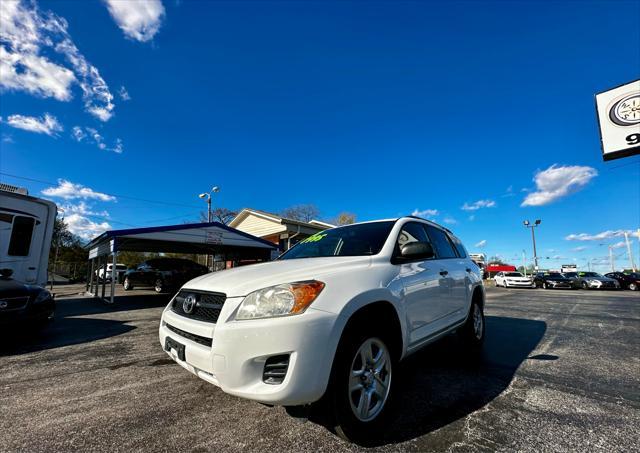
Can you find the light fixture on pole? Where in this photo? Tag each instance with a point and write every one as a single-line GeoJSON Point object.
{"type": "Point", "coordinates": [207, 195]}
{"type": "Point", "coordinates": [528, 224]}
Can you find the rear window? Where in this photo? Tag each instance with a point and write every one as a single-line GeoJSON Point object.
{"type": "Point", "coordinates": [21, 234]}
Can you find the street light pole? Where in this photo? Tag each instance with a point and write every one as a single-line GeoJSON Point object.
{"type": "Point", "coordinates": [207, 195]}
{"type": "Point", "coordinates": [528, 224]}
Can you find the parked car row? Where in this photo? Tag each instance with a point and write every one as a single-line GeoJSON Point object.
{"type": "Point", "coordinates": [162, 274]}
{"type": "Point", "coordinates": [569, 280]}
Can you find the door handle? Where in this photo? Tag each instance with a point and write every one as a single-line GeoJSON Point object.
{"type": "Point", "coordinates": [468, 269]}
{"type": "Point", "coordinates": [444, 272]}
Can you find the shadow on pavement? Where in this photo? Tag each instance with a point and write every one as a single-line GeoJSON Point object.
{"type": "Point", "coordinates": [441, 384]}
{"type": "Point", "coordinates": [70, 325]}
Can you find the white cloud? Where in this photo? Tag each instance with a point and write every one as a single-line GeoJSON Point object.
{"type": "Point", "coordinates": [124, 94]}
{"type": "Point", "coordinates": [478, 205]}
{"type": "Point", "coordinates": [91, 135]}
{"type": "Point", "coordinates": [609, 234]}
{"type": "Point", "coordinates": [84, 227]}
{"type": "Point", "coordinates": [472, 218]}
{"type": "Point", "coordinates": [450, 220]}
{"type": "Point", "coordinates": [139, 20]}
{"type": "Point", "coordinates": [70, 191]}
{"type": "Point", "coordinates": [579, 248]}
{"type": "Point", "coordinates": [425, 213]}
{"type": "Point", "coordinates": [557, 182]}
{"type": "Point", "coordinates": [27, 37]}
{"type": "Point", "coordinates": [82, 208]}
{"type": "Point", "coordinates": [481, 244]}
{"type": "Point", "coordinates": [619, 245]}
{"type": "Point", "coordinates": [46, 124]}
{"type": "Point", "coordinates": [78, 134]}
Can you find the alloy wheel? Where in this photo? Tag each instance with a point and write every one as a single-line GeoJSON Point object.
{"type": "Point", "coordinates": [369, 379]}
{"type": "Point", "coordinates": [477, 322]}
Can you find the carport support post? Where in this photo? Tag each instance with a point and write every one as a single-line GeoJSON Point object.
{"type": "Point", "coordinates": [114, 275]}
{"type": "Point", "coordinates": [89, 274]}
{"type": "Point", "coordinates": [104, 274]}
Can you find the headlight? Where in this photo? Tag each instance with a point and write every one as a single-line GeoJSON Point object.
{"type": "Point", "coordinates": [281, 300]}
{"type": "Point", "coordinates": [42, 296]}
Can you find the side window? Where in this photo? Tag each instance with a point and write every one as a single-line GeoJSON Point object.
{"type": "Point", "coordinates": [462, 252]}
{"type": "Point", "coordinates": [21, 234]}
{"type": "Point", "coordinates": [440, 241]}
{"type": "Point", "coordinates": [411, 232]}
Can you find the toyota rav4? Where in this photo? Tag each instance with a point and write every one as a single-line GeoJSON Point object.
{"type": "Point", "coordinates": [329, 319]}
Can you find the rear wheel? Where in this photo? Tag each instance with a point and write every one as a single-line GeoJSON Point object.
{"type": "Point", "coordinates": [361, 384]}
{"type": "Point", "coordinates": [472, 332]}
{"type": "Point", "coordinates": [546, 285]}
{"type": "Point", "coordinates": [584, 285]}
{"type": "Point", "coordinates": [633, 286]}
{"type": "Point", "coordinates": [127, 284]}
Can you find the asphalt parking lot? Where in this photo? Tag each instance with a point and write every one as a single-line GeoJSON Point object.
{"type": "Point", "coordinates": [560, 372]}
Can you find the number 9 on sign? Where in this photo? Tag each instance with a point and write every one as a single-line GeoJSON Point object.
{"type": "Point", "coordinates": [633, 139]}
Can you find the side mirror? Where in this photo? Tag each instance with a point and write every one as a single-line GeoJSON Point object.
{"type": "Point", "coordinates": [417, 250]}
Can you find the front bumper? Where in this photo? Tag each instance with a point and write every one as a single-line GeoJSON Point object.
{"type": "Point", "coordinates": [31, 313]}
{"type": "Point", "coordinates": [235, 361]}
{"type": "Point", "coordinates": [517, 284]}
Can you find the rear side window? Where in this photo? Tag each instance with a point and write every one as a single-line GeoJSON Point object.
{"type": "Point", "coordinates": [441, 242]}
{"type": "Point", "coordinates": [412, 232]}
{"type": "Point", "coordinates": [21, 234]}
{"type": "Point", "coordinates": [462, 252]}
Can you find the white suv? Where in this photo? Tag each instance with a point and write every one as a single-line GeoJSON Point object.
{"type": "Point", "coordinates": [329, 319]}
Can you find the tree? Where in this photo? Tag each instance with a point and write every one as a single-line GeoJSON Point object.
{"type": "Point", "coordinates": [222, 215]}
{"type": "Point", "coordinates": [344, 218]}
{"type": "Point", "coordinates": [301, 212]}
{"type": "Point", "coordinates": [497, 261]}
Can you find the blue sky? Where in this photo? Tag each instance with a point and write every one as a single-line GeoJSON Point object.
{"type": "Point", "coordinates": [377, 108]}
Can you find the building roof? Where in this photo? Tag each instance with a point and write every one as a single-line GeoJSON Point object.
{"type": "Point", "coordinates": [208, 237]}
{"type": "Point", "coordinates": [316, 224]}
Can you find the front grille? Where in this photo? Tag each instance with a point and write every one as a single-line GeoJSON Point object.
{"type": "Point", "coordinates": [190, 336]}
{"type": "Point", "coordinates": [207, 307]}
{"type": "Point", "coordinates": [275, 369]}
{"type": "Point", "coordinates": [13, 303]}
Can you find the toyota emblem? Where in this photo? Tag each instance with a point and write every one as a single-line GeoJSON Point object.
{"type": "Point", "coordinates": [4, 304]}
{"type": "Point", "coordinates": [189, 304]}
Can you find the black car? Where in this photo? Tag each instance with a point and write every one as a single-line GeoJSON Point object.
{"type": "Point", "coordinates": [162, 274]}
{"type": "Point", "coordinates": [23, 304]}
{"type": "Point", "coordinates": [630, 281]}
{"type": "Point", "coordinates": [549, 281]}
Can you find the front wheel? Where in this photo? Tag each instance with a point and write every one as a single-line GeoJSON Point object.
{"type": "Point", "coordinates": [546, 286]}
{"type": "Point", "coordinates": [633, 286]}
{"type": "Point", "coordinates": [127, 284]}
{"type": "Point", "coordinates": [159, 286]}
{"type": "Point", "coordinates": [584, 285]}
{"type": "Point", "coordinates": [361, 386]}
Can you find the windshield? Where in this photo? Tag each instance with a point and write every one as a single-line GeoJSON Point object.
{"type": "Point", "coordinates": [513, 274]}
{"type": "Point", "coordinates": [353, 240]}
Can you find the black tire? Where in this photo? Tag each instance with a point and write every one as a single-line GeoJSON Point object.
{"type": "Point", "coordinates": [546, 286]}
{"type": "Point", "coordinates": [633, 286]}
{"type": "Point", "coordinates": [159, 286]}
{"type": "Point", "coordinates": [584, 285]}
{"type": "Point", "coordinates": [468, 332]}
{"type": "Point", "coordinates": [127, 286]}
{"type": "Point", "coordinates": [342, 401]}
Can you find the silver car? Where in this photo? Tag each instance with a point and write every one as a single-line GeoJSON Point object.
{"type": "Point", "coordinates": [592, 280]}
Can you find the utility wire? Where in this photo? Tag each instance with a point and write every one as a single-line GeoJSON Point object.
{"type": "Point", "coordinates": [126, 197]}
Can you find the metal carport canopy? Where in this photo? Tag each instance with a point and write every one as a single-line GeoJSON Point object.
{"type": "Point", "coordinates": [197, 238]}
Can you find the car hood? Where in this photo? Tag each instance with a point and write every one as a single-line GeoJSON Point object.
{"type": "Point", "coordinates": [241, 281]}
{"type": "Point", "coordinates": [13, 288]}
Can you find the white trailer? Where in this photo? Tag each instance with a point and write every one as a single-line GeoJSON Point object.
{"type": "Point", "coordinates": [26, 229]}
